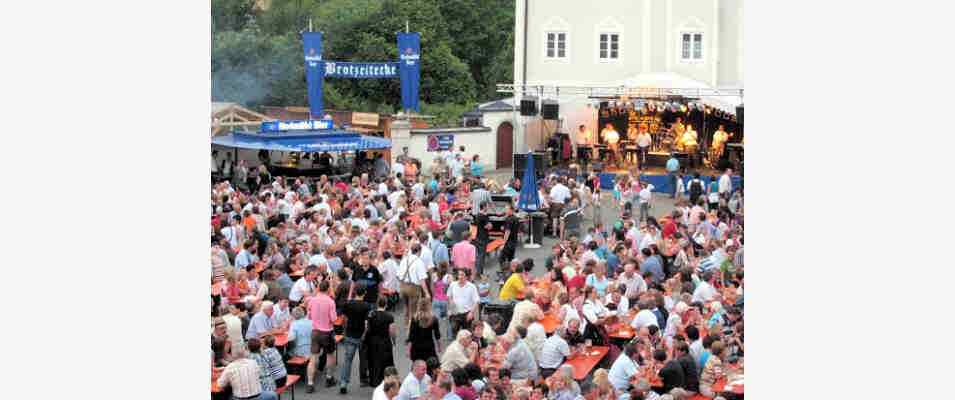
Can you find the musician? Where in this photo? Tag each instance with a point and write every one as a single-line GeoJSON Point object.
{"type": "Point", "coordinates": [585, 138]}
{"type": "Point", "coordinates": [644, 140]}
{"type": "Point", "coordinates": [612, 138]}
{"type": "Point", "coordinates": [720, 137]}
{"type": "Point", "coordinates": [677, 130]}
{"type": "Point", "coordinates": [632, 133]}
{"type": "Point", "coordinates": [690, 144]}
{"type": "Point", "coordinates": [689, 139]}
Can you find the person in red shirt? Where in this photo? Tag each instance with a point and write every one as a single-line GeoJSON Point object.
{"type": "Point", "coordinates": [580, 279]}
{"type": "Point", "coordinates": [669, 228]}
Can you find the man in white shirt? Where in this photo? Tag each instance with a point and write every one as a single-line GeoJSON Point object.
{"type": "Point", "coordinates": [304, 286]}
{"type": "Point", "coordinates": [645, 317]}
{"type": "Point", "coordinates": [705, 292]}
{"type": "Point", "coordinates": [412, 275]}
{"type": "Point", "coordinates": [644, 140]}
{"type": "Point", "coordinates": [633, 281]}
{"type": "Point", "coordinates": [726, 182]}
{"type": "Point", "coordinates": [463, 300]}
{"type": "Point", "coordinates": [624, 367]}
{"type": "Point", "coordinates": [553, 352]}
{"type": "Point", "coordinates": [416, 383]}
{"type": "Point", "coordinates": [559, 194]}
{"type": "Point", "coordinates": [523, 309]}
{"type": "Point", "coordinates": [645, 198]}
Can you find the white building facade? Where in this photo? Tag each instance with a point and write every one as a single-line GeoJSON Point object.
{"type": "Point", "coordinates": [661, 43]}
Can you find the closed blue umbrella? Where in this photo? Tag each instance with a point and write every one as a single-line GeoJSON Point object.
{"type": "Point", "coordinates": [529, 200]}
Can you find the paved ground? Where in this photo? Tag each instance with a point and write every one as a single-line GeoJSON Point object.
{"type": "Point", "coordinates": [661, 206]}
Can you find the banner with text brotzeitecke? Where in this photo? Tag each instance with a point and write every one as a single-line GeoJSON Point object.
{"type": "Point", "coordinates": [409, 68]}
{"type": "Point", "coordinates": [312, 42]}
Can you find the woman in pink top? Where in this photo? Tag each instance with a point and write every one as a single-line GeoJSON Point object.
{"type": "Point", "coordinates": [439, 285]}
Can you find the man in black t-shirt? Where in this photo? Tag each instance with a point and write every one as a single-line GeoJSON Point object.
{"type": "Point", "coordinates": [356, 312]}
{"type": "Point", "coordinates": [483, 224]}
{"type": "Point", "coordinates": [512, 225]}
{"type": "Point", "coordinates": [368, 276]}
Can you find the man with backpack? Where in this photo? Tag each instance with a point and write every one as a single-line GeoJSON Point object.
{"type": "Point", "coordinates": [695, 188]}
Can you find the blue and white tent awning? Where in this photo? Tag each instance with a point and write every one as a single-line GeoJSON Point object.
{"type": "Point", "coordinates": [308, 142]}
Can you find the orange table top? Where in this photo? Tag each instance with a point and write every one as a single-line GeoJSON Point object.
{"type": "Point", "coordinates": [281, 339]}
{"type": "Point", "coordinates": [550, 323]}
{"type": "Point", "coordinates": [720, 386]}
{"type": "Point", "coordinates": [620, 330]}
{"type": "Point", "coordinates": [584, 363]}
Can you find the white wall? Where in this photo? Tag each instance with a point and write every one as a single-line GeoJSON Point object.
{"type": "Point", "coordinates": [484, 144]}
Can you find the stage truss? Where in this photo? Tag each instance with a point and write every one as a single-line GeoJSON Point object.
{"type": "Point", "coordinates": [556, 91]}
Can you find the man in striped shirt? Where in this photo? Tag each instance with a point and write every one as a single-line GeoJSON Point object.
{"type": "Point", "coordinates": [243, 376]}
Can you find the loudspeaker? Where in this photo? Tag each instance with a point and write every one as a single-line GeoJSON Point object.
{"type": "Point", "coordinates": [529, 106]}
{"type": "Point", "coordinates": [541, 162]}
{"type": "Point", "coordinates": [739, 115]}
{"type": "Point", "coordinates": [549, 109]}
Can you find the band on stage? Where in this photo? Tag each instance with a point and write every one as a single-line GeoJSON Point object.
{"type": "Point", "coordinates": [639, 141]}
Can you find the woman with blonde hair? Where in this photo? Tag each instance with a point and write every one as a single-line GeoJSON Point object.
{"type": "Point", "coordinates": [603, 390]}
{"type": "Point", "coordinates": [562, 384]}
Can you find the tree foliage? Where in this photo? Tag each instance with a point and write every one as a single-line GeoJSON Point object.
{"type": "Point", "coordinates": [466, 45]}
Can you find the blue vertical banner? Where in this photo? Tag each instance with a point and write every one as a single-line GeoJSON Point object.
{"type": "Point", "coordinates": [409, 68]}
{"type": "Point", "coordinates": [314, 71]}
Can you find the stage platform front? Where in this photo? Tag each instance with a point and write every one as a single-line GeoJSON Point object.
{"type": "Point", "coordinates": [656, 176]}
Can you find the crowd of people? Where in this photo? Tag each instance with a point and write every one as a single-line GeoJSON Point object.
{"type": "Point", "coordinates": [346, 268]}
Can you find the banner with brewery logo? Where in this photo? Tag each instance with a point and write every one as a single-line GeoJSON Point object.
{"type": "Point", "coordinates": [409, 67]}
{"type": "Point", "coordinates": [312, 43]}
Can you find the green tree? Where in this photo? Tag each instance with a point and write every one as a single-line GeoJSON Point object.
{"type": "Point", "coordinates": [231, 15]}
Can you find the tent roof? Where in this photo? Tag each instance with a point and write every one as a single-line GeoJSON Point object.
{"type": "Point", "coordinates": [308, 142]}
{"type": "Point", "coordinates": [673, 80]}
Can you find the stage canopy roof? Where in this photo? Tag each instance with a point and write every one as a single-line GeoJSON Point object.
{"type": "Point", "coordinates": [333, 140]}
{"type": "Point", "coordinates": [672, 80]}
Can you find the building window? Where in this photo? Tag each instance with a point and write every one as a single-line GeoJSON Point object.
{"type": "Point", "coordinates": [556, 44]}
{"type": "Point", "coordinates": [609, 46]}
{"type": "Point", "coordinates": [692, 47]}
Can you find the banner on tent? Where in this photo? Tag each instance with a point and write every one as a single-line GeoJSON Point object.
{"type": "Point", "coordinates": [307, 125]}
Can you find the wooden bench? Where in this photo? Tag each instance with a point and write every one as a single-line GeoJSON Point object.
{"type": "Point", "coordinates": [297, 364]}
{"type": "Point", "coordinates": [290, 382]}
{"type": "Point", "coordinates": [298, 361]}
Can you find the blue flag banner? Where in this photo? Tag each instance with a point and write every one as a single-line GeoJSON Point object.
{"type": "Point", "coordinates": [339, 69]}
{"type": "Point", "coordinates": [409, 67]}
{"type": "Point", "coordinates": [312, 43]}
{"type": "Point", "coordinates": [285, 126]}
